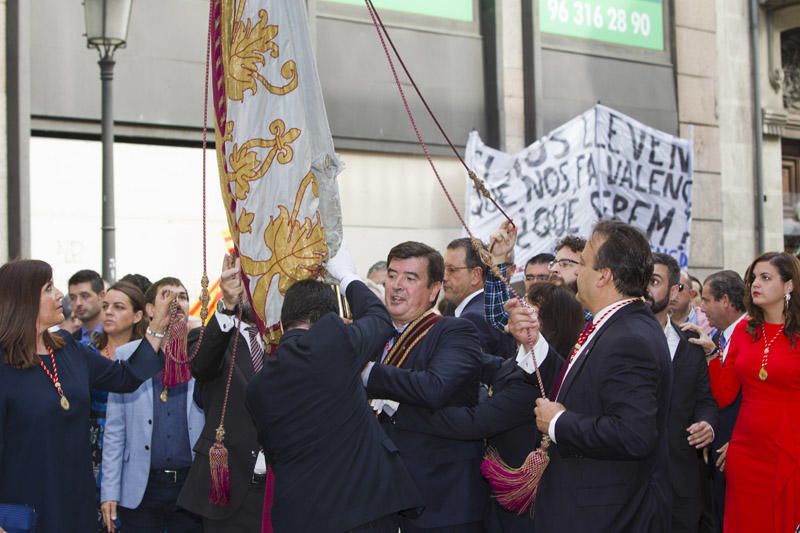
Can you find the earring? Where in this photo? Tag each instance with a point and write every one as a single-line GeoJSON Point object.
{"type": "Point", "coordinates": [786, 299]}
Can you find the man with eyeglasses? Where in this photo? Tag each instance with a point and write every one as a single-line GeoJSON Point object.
{"type": "Point", "coordinates": [564, 268]}
{"type": "Point", "coordinates": [464, 274]}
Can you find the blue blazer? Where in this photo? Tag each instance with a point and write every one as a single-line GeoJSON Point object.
{"type": "Point", "coordinates": [609, 467]}
{"type": "Point", "coordinates": [126, 454]}
{"type": "Point", "coordinates": [443, 370]}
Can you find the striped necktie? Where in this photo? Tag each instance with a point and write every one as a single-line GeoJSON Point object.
{"type": "Point", "coordinates": [256, 351]}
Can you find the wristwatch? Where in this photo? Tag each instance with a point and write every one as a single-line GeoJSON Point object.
{"type": "Point", "coordinates": [224, 310]}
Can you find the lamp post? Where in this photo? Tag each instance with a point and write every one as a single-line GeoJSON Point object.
{"type": "Point", "coordinates": [106, 31]}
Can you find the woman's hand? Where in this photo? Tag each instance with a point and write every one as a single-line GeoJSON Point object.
{"type": "Point", "coordinates": [723, 454]}
{"type": "Point", "coordinates": [109, 510]}
{"type": "Point", "coordinates": [161, 314]}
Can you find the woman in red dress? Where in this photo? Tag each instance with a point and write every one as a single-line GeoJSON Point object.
{"type": "Point", "coordinates": [762, 460]}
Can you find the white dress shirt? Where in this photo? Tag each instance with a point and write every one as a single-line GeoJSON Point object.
{"type": "Point", "coordinates": [604, 314]}
{"type": "Point", "coordinates": [465, 301]}
{"type": "Point", "coordinates": [673, 339]}
{"type": "Point", "coordinates": [727, 333]}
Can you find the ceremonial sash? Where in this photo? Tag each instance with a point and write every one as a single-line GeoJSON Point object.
{"type": "Point", "coordinates": [407, 340]}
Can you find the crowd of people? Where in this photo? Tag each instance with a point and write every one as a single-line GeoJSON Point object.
{"type": "Point", "coordinates": [664, 404]}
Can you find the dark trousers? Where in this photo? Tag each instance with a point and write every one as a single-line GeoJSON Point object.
{"type": "Point", "coordinates": [718, 499]}
{"type": "Point", "coordinates": [246, 519]}
{"type": "Point", "coordinates": [158, 512]}
{"type": "Point", "coordinates": [387, 524]}
{"type": "Point", "coordinates": [473, 527]}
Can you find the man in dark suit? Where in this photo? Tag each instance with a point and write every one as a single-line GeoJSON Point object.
{"type": "Point", "coordinates": [609, 462]}
{"type": "Point", "coordinates": [693, 410]}
{"type": "Point", "coordinates": [464, 275]}
{"type": "Point", "coordinates": [245, 460]}
{"type": "Point", "coordinates": [723, 304]}
{"type": "Point", "coordinates": [433, 363]}
{"type": "Point", "coordinates": [335, 468]}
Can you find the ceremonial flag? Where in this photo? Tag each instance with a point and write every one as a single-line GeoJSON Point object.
{"type": "Point", "coordinates": [274, 148]}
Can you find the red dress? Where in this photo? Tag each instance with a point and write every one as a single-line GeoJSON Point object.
{"type": "Point", "coordinates": [762, 467]}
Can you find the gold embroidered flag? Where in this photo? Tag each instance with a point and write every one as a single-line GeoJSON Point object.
{"type": "Point", "coordinates": [274, 147]}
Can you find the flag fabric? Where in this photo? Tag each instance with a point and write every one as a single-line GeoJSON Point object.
{"type": "Point", "coordinates": [275, 153]}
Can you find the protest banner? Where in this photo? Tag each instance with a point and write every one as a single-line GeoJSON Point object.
{"type": "Point", "coordinates": [601, 164]}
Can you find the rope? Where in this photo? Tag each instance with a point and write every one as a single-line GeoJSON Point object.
{"type": "Point", "coordinates": [476, 243]}
{"type": "Point", "coordinates": [479, 185]}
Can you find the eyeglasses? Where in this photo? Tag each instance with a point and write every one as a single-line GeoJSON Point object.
{"type": "Point", "coordinates": [452, 270]}
{"type": "Point", "coordinates": [681, 286]}
{"type": "Point", "coordinates": [563, 263]}
{"type": "Point", "coordinates": [537, 277]}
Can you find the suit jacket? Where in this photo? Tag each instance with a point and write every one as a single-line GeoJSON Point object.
{"type": "Point", "coordinates": [442, 370]}
{"type": "Point", "coordinates": [317, 429]}
{"type": "Point", "coordinates": [128, 435]}
{"type": "Point", "coordinates": [210, 369]}
{"type": "Point", "coordinates": [493, 341]}
{"type": "Point", "coordinates": [505, 419]}
{"type": "Point", "coordinates": [691, 402]}
{"type": "Point", "coordinates": [609, 468]}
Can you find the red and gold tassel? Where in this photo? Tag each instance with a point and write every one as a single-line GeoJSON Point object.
{"type": "Point", "coordinates": [220, 491]}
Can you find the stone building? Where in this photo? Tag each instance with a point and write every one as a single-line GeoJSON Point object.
{"type": "Point", "coordinates": [512, 69]}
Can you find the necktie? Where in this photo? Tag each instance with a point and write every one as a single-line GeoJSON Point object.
{"type": "Point", "coordinates": [256, 351]}
{"type": "Point", "coordinates": [721, 342]}
{"type": "Point", "coordinates": [587, 330]}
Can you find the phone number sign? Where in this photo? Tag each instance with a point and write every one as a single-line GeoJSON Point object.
{"type": "Point", "coordinates": [638, 23]}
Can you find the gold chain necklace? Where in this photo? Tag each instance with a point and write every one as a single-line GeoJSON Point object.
{"type": "Point", "coordinates": [762, 373]}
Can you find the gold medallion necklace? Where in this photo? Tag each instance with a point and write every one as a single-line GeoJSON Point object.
{"type": "Point", "coordinates": [762, 373]}
{"type": "Point", "coordinates": [54, 378]}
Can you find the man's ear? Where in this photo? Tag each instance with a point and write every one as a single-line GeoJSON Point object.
{"type": "Point", "coordinates": [606, 277]}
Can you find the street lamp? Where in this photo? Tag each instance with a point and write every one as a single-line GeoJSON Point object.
{"type": "Point", "coordinates": [107, 30]}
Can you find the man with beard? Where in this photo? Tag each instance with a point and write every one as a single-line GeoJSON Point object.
{"type": "Point", "coordinates": [86, 291]}
{"type": "Point", "coordinates": [564, 268]}
{"type": "Point", "coordinates": [246, 462]}
{"type": "Point", "coordinates": [149, 435]}
{"type": "Point", "coordinates": [693, 410]}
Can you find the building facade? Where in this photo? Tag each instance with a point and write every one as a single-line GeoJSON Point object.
{"type": "Point", "coordinates": [511, 69]}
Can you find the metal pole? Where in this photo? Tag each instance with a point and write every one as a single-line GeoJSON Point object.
{"type": "Point", "coordinates": [758, 131]}
{"type": "Point", "coordinates": [109, 236]}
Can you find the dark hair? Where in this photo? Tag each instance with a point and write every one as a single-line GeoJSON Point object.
{"type": "Point", "coordinates": [673, 270]}
{"type": "Point", "coordinates": [307, 301]}
{"type": "Point", "coordinates": [560, 315]}
{"type": "Point", "coordinates": [409, 249]}
{"type": "Point", "coordinates": [136, 298]}
{"type": "Point", "coordinates": [66, 307]}
{"type": "Point", "coordinates": [21, 285]}
{"type": "Point", "coordinates": [88, 276]}
{"type": "Point", "coordinates": [471, 257]}
{"type": "Point", "coordinates": [788, 268]}
{"type": "Point", "coordinates": [626, 252]}
{"type": "Point", "coordinates": [573, 242]}
{"type": "Point", "coordinates": [730, 283]}
{"type": "Point", "coordinates": [380, 265]}
{"type": "Point", "coordinates": [152, 290]}
{"type": "Point", "coordinates": [139, 280]}
{"type": "Point", "coordinates": [541, 259]}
